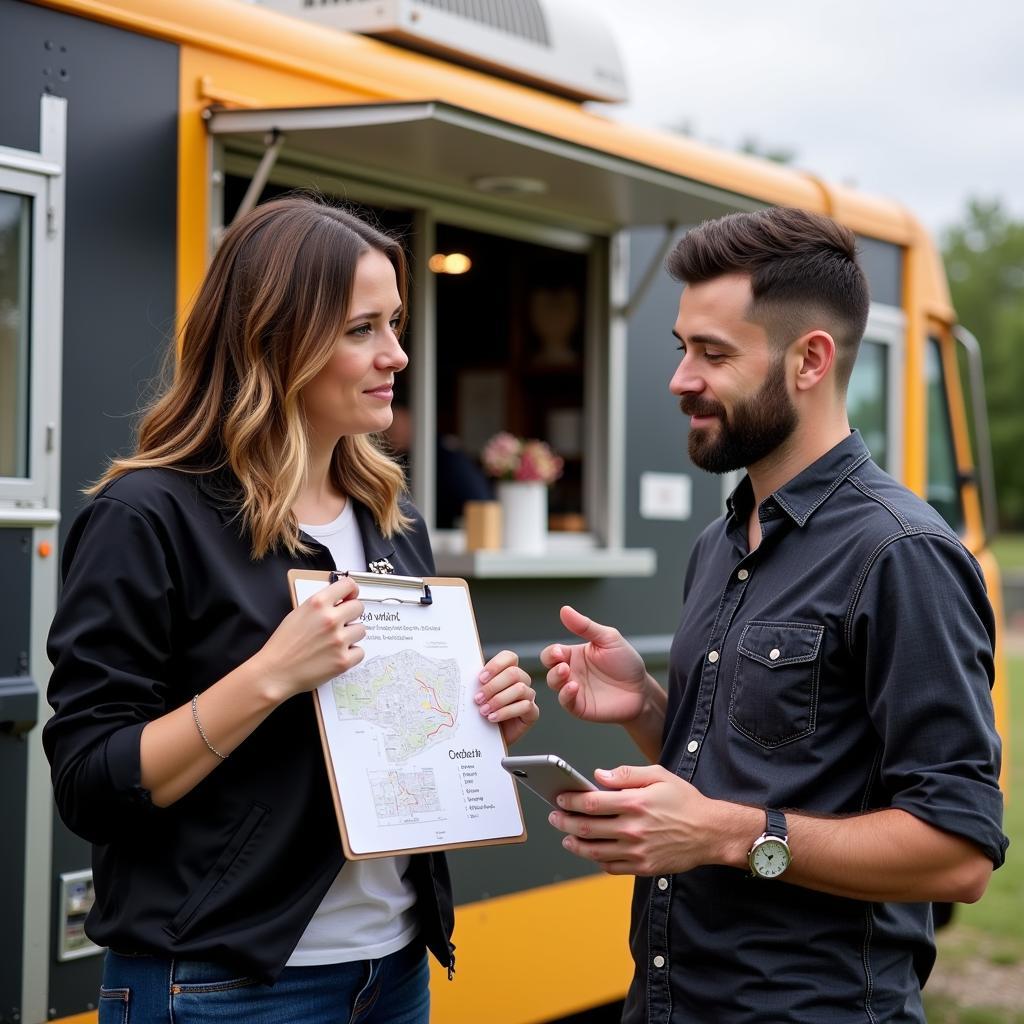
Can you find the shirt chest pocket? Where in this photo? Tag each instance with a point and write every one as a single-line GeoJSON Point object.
{"type": "Point", "coordinates": [775, 689]}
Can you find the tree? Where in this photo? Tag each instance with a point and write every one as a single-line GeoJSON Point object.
{"type": "Point", "coordinates": [753, 146]}
{"type": "Point", "coordinates": [985, 262]}
{"type": "Point", "coordinates": [750, 144]}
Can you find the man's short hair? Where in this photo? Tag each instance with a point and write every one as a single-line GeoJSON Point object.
{"type": "Point", "coordinates": [803, 271]}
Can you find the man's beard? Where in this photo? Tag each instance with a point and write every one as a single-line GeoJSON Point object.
{"type": "Point", "coordinates": [757, 426]}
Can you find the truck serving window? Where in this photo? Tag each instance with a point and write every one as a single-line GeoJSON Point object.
{"type": "Point", "coordinates": [510, 353]}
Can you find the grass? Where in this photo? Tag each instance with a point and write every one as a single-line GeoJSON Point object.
{"type": "Point", "coordinates": [986, 940]}
{"type": "Point", "coordinates": [950, 1014]}
{"type": "Point", "coordinates": [1009, 551]}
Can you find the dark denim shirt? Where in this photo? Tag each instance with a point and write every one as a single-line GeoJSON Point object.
{"type": "Point", "coordinates": [845, 665]}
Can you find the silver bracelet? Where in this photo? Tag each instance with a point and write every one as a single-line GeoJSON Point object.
{"type": "Point", "coordinates": [202, 732]}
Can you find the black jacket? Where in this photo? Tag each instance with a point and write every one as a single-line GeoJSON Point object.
{"type": "Point", "coordinates": [161, 599]}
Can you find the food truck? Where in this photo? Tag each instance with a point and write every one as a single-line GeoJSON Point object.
{"type": "Point", "coordinates": [133, 131]}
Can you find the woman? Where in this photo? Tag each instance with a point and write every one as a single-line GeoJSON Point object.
{"type": "Point", "coordinates": [175, 745]}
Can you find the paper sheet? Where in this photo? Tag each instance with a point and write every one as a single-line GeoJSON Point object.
{"type": "Point", "coordinates": [416, 764]}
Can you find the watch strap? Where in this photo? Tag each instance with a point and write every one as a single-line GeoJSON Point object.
{"type": "Point", "coordinates": [775, 824]}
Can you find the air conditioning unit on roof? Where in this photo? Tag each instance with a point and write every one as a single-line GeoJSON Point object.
{"type": "Point", "coordinates": [556, 45]}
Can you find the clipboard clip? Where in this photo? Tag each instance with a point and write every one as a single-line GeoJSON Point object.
{"type": "Point", "coordinates": [399, 589]}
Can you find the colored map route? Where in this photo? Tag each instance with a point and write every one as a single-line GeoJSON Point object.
{"type": "Point", "coordinates": [413, 698]}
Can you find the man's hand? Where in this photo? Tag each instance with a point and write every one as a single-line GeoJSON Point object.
{"type": "Point", "coordinates": [655, 824]}
{"type": "Point", "coordinates": [602, 680]}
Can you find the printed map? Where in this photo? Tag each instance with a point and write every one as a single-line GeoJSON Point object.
{"type": "Point", "coordinates": [398, 794]}
{"type": "Point", "coordinates": [413, 698]}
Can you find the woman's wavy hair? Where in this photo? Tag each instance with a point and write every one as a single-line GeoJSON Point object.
{"type": "Point", "coordinates": [264, 323]}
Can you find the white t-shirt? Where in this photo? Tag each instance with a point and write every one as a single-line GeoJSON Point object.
{"type": "Point", "coordinates": [368, 911]}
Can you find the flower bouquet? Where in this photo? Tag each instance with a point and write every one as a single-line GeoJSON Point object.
{"type": "Point", "coordinates": [507, 457]}
{"type": "Point", "coordinates": [524, 470]}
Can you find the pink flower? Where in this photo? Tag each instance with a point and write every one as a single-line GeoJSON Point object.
{"type": "Point", "coordinates": [510, 458]}
{"type": "Point", "coordinates": [501, 455]}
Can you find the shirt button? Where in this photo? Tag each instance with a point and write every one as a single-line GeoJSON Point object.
{"type": "Point", "coordinates": [774, 654]}
{"type": "Point", "coordinates": [659, 961]}
{"type": "Point", "coordinates": [662, 884]}
{"type": "Point", "coordinates": [713, 657]}
{"type": "Point", "coordinates": [742, 574]}
{"type": "Point", "coordinates": [692, 746]}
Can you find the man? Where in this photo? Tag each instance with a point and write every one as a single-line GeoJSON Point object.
{"type": "Point", "coordinates": [824, 763]}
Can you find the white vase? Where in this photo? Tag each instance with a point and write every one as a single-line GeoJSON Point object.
{"type": "Point", "coordinates": [524, 515]}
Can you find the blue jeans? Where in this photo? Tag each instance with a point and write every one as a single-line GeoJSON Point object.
{"type": "Point", "coordinates": [158, 990]}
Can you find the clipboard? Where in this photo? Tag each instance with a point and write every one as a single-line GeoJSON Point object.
{"type": "Point", "coordinates": [413, 766]}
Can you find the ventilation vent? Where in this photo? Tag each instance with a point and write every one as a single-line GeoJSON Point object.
{"type": "Point", "coordinates": [557, 45]}
{"type": "Point", "coordinates": [523, 19]}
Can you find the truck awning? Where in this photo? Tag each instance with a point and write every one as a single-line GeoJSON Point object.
{"type": "Point", "coordinates": [443, 150]}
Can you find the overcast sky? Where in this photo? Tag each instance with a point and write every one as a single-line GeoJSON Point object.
{"type": "Point", "coordinates": [919, 100]}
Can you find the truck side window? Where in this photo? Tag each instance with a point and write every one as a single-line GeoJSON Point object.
{"type": "Point", "coordinates": [867, 399]}
{"type": "Point", "coordinates": [15, 284]}
{"type": "Point", "coordinates": [943, 490]}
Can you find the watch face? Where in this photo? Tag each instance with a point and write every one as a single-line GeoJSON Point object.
{"type": "Point", "coordinates": [769, 858]}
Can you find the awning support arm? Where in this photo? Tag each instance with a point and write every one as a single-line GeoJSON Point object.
{"type": "Point", "coordinates": [274, 140]}
{"type": "Point", "coordinates": [629, 307]}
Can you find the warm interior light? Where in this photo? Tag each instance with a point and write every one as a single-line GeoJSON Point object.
{"type": "Point", "coordinates": [452, 263]}
{"type": "Point", "coordinates": [457, 263]}
{"type": "Point", "coordinates": [510, 185]}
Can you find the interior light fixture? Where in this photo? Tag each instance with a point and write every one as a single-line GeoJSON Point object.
{"type": "Point", "coordinates": [510, 185]}
{"type": "Point", "coordinates": [449, 263]}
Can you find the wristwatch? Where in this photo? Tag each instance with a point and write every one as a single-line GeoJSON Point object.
{"type": "Point", "coordinates": [769, 856]}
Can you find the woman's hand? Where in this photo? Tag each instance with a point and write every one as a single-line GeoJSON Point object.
{"type": "Point", "coordinates": [506, 696]}
{"type": "Point", "coordinates": [314, 642]}
{"type": "Point", "coordinates": [602, 680]}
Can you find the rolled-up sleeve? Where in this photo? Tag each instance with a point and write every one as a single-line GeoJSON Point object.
{"type": "Point", "coordinates": [110, 645]}
{"type": "Point", "coordinates": [926, 628]}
